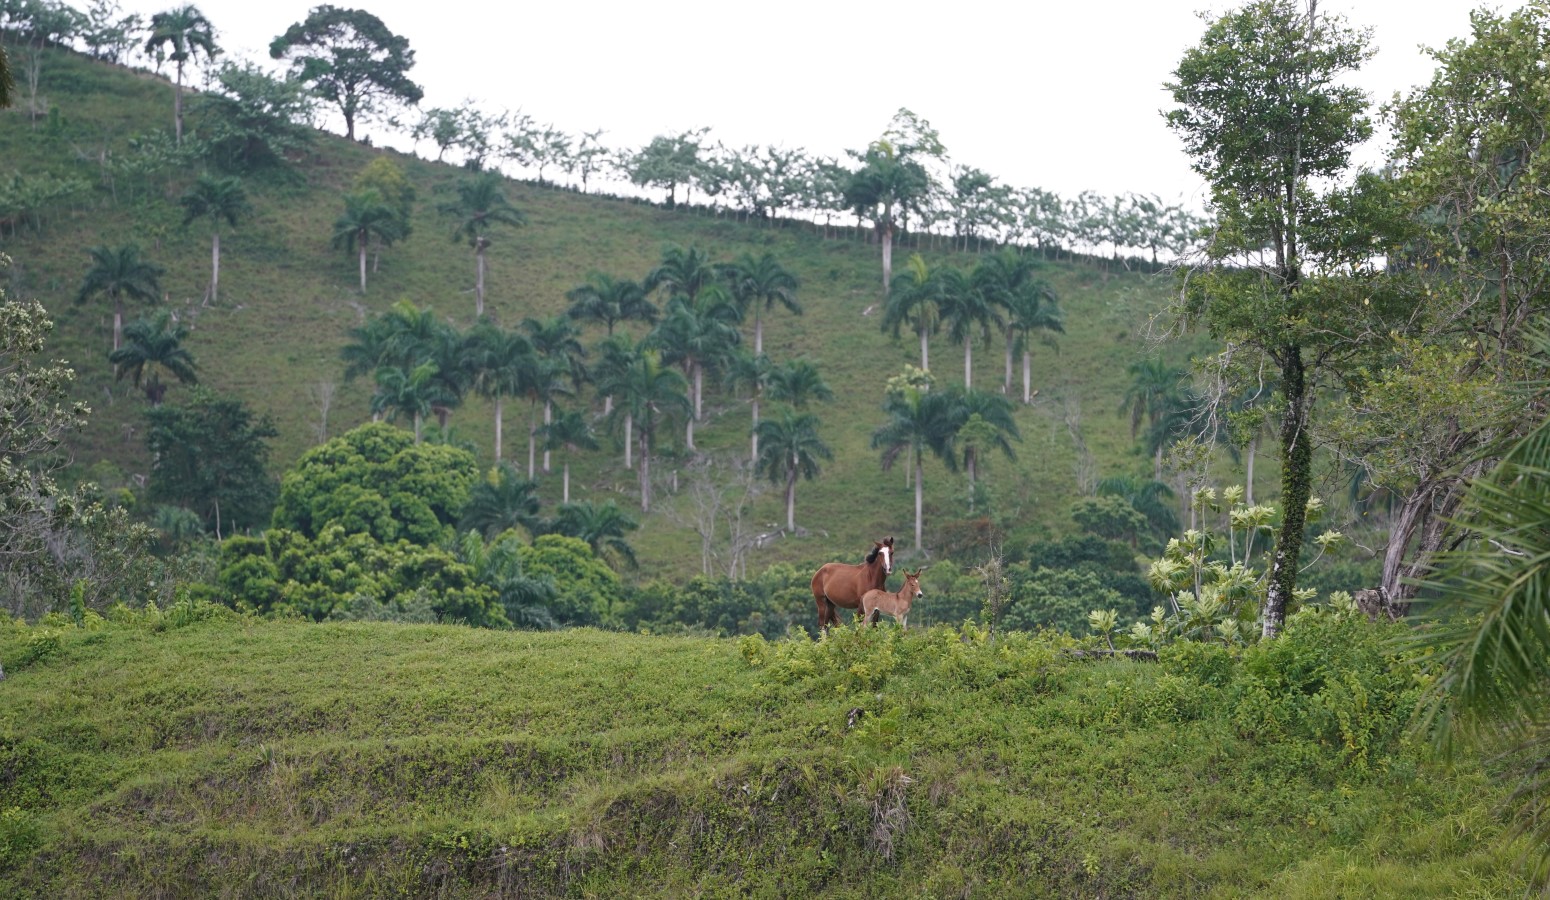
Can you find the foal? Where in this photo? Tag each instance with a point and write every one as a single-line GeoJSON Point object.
{"type": "Point", "coordinates": [896, 604]}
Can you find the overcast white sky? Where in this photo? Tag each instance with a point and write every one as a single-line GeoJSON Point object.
{"type": "Point", "coordinates": [1059, 95]}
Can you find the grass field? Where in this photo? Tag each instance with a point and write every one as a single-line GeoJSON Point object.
{"type": "Point", "coordinates": [159, 755]}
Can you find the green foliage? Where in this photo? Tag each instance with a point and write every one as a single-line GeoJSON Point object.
{"type": "Point", "coordinates": [287, 572]}
{"type": "Point", "coordinates": [253, 122]}
{"type": "Point", "coordinates": [375, 480]}
{"type": "Point", "coordinates": [1058, 598]}
{"type": "Point", "coordinates": [587, 590]}
{"type": "Point", "coordinates": [351, 60]}
{"type": "Point", "coordinates": [211, 455]}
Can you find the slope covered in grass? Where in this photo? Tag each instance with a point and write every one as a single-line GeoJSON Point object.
{"type": "Point", "coordinates": [288, 300]}
{"type": "Point", "coordinates": [163, 755]}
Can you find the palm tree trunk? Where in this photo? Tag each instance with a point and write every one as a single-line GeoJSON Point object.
{"type": "Point", "coordinates": [500, 403]}
{"type": "Point", "coordinates": [118, 321]}
{"type": "Point", "coordinates": [363, 264]}
{"type": "Point", "coordinates": [968, 358]}
{"type": "Point", "coordinates": [565, 482]}
{"type": "Point", "coordinates": [479, 281]}
{"type": "Point", "coordinates": [548, 420]}
{"type": "Point", "coordinates": [689, 435]}
{"type": "Point", "coordinates": [532, 445]}
{"type": "Point", "coordinates": [177, 107]}
{"type": "Point", "coordinates": [925, 362]}
{"type": "Point", "coordinates": [754, 435]}
{"type": "Point", "coordinates": [417, 428]}
{"type": "Point", "coordinates": [629, 446]}
{"type": "Point", "coordinates": [919, 502]}
{"type": "Point", "coordinates": [1027, 377]}
{"type": "Point", "coordinates": [1006, 380]}
{"type": "Point", "coordinates": [758, 331]}
{"type": "Point", "coordinates": [699, 390]}
{"type": "Point", "coordinates": [791, 497]}
{"type": "Point", "coordinates": [645, 473]}
{"type": "Point", "coordinates": [1248, 478]}
{"type": "Point", "coordinates": [215, 268]}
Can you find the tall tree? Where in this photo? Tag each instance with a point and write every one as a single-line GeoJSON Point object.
{"type": "Point", "coordinates": [153, 346]}
{"type": "Point", "coordinates": [351, 59]}
{"type": "Point", "coordinates": [210, 455]}
{"type": "Point", "coordinates": [985, 424]}
{"type": "Point", "coordinates": [1010, 280]}
{"type": "Point", "coordinates": [651, 395]}
{"type": "Point", "coordinates": [187, 33]}
{"type": "Point", "coordinates": [1155, 390]}
{"type": "Point", "coordinates": [500, 362]}
{"type": "Point", "coordinates": [413, 392]}
{"type": "Point", "coordinates": [603, 527]}
{"type": "Point", "coordinates": [790, 448]}
{"type": "Point", "coordinates": [798, 383]}
{"type": "Point", "coordinates": [697, 335]}
{"type": "Point", "coordinates": [887, 187]}
{"type": "Point", "coordinates": [480, 204]}
{"type": "Point", "coordinates": [120, 272]}
{"type": "Point", "coordinates": [916, 301]}
{"type": "Point", "coordinates": [919, 421]}
{"type": "Point", "coordinates": [759, 283]}
{"type": "Point", "coordinates": [1267, 119]}
{"type": "Point", "coordinates": [366, 217]}
{"type": "Point", "coordinates": [569, 431]}
{"type": "Point", "coordinates": [557, 342]}
{"type": "Point", "coordinates": [610, 300]}
{"type": "Point", "coordinates": [500, 501]}
{"type": "Point", "coordinates": [219, 199]}
{"type": "Point", "coordinates": [7, 82]}
{"type": "Point", "coordinates": [968, 314]}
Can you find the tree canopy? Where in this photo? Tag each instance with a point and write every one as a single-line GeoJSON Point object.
{"type": "Point", "coordinates": [351, 59]}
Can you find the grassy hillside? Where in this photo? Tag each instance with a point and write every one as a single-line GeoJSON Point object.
{"type": "Point", "coordinates": [287, 301]}
{"type": "Point", "coordinates": [165, 756]}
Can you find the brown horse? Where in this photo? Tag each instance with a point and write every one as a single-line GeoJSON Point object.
{"type": "Point", "coordinates": [896, 604]}
{"type": "Point", "coordinates": [843, 584]}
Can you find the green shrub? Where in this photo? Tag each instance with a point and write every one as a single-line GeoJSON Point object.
{"type": "Point", "coordinates": [19, 837]}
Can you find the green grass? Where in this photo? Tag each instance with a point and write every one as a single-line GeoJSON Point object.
{"type": "Point", "coordinates": [244, 758]}
{"type": "Point", "coordinates": [288, 300]}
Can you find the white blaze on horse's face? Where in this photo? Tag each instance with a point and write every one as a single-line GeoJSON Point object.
{"type": "Point", "coordinates": [887, 560]}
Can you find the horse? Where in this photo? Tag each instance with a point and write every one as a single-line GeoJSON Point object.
{"type": "Point", "coordinates": [896, 604]}
{"type": "Point", "coordinates": [842, 584]}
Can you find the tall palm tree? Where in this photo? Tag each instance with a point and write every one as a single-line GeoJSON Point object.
{"type": "Point", "coordinates": [753, 372]}
{"type": "Point", "coordinates": [1156, 389]}
{"type": "Point", "coordinates": [918, 421]}
{"type": "Point", "coordinates": [366, 217]}
{"type": "Point", "coordinates": [557, 341]}
{"type": "Point", "coordinates": [499, 363]}
{"type": "Point", "coordinates": [406, 391]}
{"type": "Point", "coordinates": [500, 501]}
{"type": "Point", "coordinates": [759, 283]}
{"type": "Point", "coordinates": [217, 199]}
{"type": "Point", "coordinates": [887, 187]}
{"type": "Point", "coordinates": [480, 205]}
{"type": "Point", "coordinates": [986, 424]}
{"type": "Point", "coordinates": [683, 272]}
{"type": "Point", "coordinates": [1010, 280]}
{"type": "Point", "coordinates": [187, 32]}
{"type": "Point", "coordinates": [616, 358]}
{"type": "Point", "coordinates": [790, 447]}
{"type": "Point", "coordinates": [152, 346]}
{"type": "Point", "coordinates": [915, 301]}
{"type": "Point", "coordinates": [602, 526]}
{"type": "Point", "coordinates": [1150, 498]}
{"type": "Point", "coordinates": [120, 272]}
{"type": "Point", "coordinates": [798, 383]}
{"type": "Point", "coordinates": [651, 394]}
{"type": "Point", "coordinates": [968, 315]}
{"type": "Point", "coordinates": [697, 335]}
{"type": "Point", "coordinates": [570, 431]}
{"type": "Point", "coordinates": [610, 300]}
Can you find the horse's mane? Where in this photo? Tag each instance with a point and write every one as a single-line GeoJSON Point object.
{"type": "Point", "coordinates": [872, 557]}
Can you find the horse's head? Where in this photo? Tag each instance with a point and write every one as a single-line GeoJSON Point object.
{"type": "Point", "coordinates": [883, 548]}
{"type": "Point", "coordinates": [911, 588]}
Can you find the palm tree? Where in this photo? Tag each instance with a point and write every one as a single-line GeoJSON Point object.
{"type": "Point", "coordinates": [152, 346]}
{"type": "Point", "coordinates": [366, 216]}
{"type": "Point", "coordinates": [753, 372]}
{"type": "Point", "coordinates": [499, 363]}
{"type": "Point", "coordinates": [556, 340]}
{"type": "Point", "coordinates": [120, 272]}
{"type": "Point", "coordinates": [790, 447]}
{"type": "Point", "coordinates": [187, 31]}
{"type": "Point", "coordinates": [610, 300]}
{"type": "Point", "coordinates": [986, 424]}
{"type": "Point", "coordinates": [918, 421]}
{"type": "Point", "coordinates": [683, 272]}
{"type": "Point", "coordinates": [1155, 390]}
{"type": "Point", "coordinates": [405, 391]}
{"type": "Point", "coordinates": [500, 501]}
{"type": "Point", "coordinates": [7, 83]}
{"type": "Point", "coordinates": [603, 527]}
{"type": "Point", "coordinates": [616, 357]}
{"type": "Point", "coordinates": [1010, 280]}
{"type": "Point", "coordinates": [650, 394]}
{"type": "Point", "coordinates": [968, 314]}
{"type": "Point", "coordinates": [915, 301]}
{"type": "Point", "coordinates": [887, 187]}
{"type": "Point", "coordinates": [481, 203]}
{"type": "Point", "coordinates": [1148, 497]}
{"type": "Point", "coordinates": [798, 383]}
{"type": "Point", "coordinates": [217, 199]}
{"type": "Point", "coordinates": [759, 283]}
{"type": "Point", "coordinates": [696, 334]}
{"type": "Point", "coordinates": [498, 564]}
{"type": "Point", "coordinates": [570, 431]}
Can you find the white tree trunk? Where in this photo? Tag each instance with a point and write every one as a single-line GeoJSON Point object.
{"type": "Point", "coordinates": [968, 360]}
{"type": "Point", "coordinates": [548, 420]}
{"type": "Point", "coordinates": [479, 281]}
{"type": "Point", "coordinates": [363, 265]}
{"type": "Point", "coordinates": [629, 440]}
{"type": "Point", "coordinates": [215, 267]}
{"type": "Point", "coordinates": [925, 360]}
{"type": "Point", "coordinates": [1027, 378]}
{"type": "Point", "coordinates": [500, 411]}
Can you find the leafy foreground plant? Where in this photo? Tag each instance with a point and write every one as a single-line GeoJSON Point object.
{"type": "Point", "coordinates": [192, 752]}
